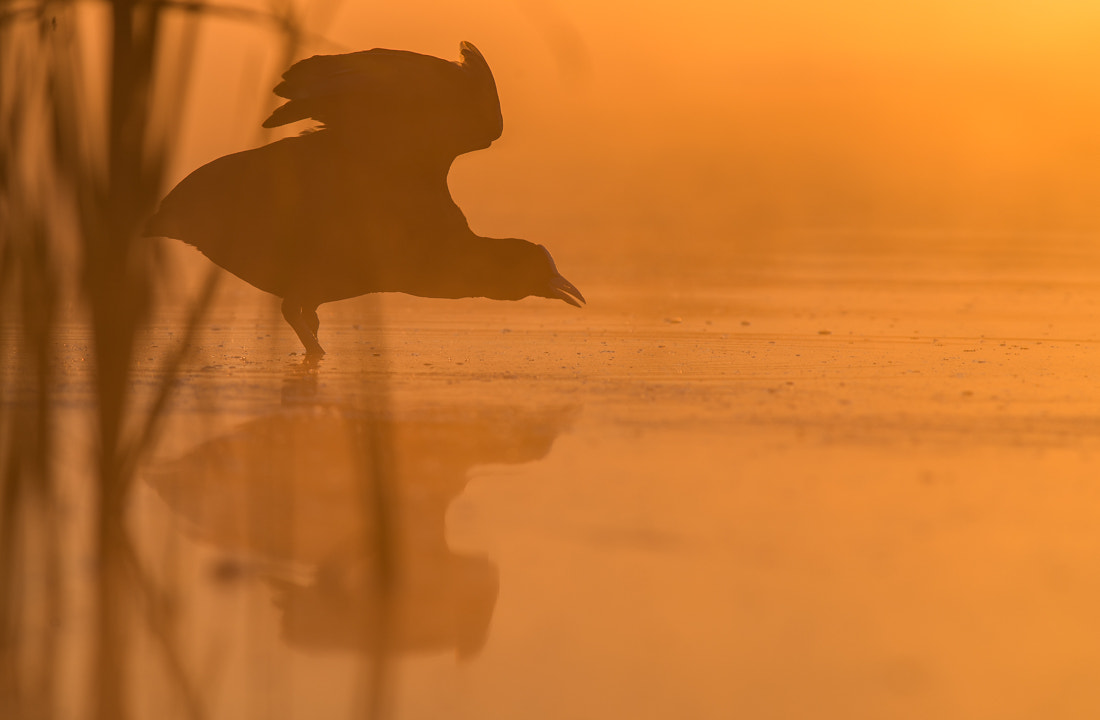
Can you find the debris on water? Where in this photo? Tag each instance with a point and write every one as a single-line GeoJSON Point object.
{"type": "Point", "coordinates": [824, 332]}
{"type": "Point", "coordinates": [674, 320]}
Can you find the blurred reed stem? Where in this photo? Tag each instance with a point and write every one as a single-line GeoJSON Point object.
{"type": "Point", "coordinates": [70, 196]}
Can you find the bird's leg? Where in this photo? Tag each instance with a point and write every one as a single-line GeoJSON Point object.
{"type": "Point", "coordinates": [304, 323]}
{"type": "Point", "coordinates": [312, 321]}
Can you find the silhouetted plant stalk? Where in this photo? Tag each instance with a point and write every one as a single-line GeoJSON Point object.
{"type": "Point", "coordinates": [29, 282]}
{"type": "Point", "coordinates": [374, 443]}
{"type": "Point", "coordinates": [68, 192]}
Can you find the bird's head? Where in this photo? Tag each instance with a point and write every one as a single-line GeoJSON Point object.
{"type": "Point", "coordinates": [522, 268]}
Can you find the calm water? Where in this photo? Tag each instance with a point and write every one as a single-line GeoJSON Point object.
{"type": "Point", "coordinates": [850, 478]}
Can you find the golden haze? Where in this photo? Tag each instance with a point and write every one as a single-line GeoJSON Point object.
{"type": "Point", "coordinates": [633, 122]}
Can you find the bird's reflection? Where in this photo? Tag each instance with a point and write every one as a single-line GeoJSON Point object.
{"type": "Point", "coordinates": [290, 497]}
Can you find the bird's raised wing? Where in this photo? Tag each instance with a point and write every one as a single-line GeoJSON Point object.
{"type": "Point", "coordinates": [396, 94]}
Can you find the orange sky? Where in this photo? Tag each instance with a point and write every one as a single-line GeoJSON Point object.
{"type": "Point", "coordinates": [701, 120]}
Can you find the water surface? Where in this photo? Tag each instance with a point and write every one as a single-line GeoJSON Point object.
{"type": "Point", "coordinates": [852, 477]}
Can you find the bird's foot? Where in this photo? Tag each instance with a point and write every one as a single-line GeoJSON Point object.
{"type": "Point", "coordinates": [305, 323]}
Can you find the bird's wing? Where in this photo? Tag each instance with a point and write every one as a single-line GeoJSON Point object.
{"type": "Point", "coordinates": [452, 105]}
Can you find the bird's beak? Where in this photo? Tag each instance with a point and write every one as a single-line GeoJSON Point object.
{"type": "Point", "coordinates": [564, 290]}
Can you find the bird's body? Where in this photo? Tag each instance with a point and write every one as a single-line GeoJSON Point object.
{"type": "Point", "coordinates": [362, 205]}
{"type": "Point", "coordinates": [286, 219]}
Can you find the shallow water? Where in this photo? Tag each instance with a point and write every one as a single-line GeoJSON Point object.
{"type": "Point", "coordinates": [850, 477]}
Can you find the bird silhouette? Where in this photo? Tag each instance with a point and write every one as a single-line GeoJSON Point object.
{"type": "Point", "coordinates": [361, 204]}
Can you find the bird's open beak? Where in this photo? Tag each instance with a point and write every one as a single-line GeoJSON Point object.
{"type": "Point", "coordinates": [564, 290]}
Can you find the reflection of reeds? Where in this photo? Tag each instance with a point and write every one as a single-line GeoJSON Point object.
{"type": "Point", "coordinates": [79, 174]}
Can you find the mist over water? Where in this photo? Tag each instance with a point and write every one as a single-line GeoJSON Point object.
{"type": "Point", "coordinates": [702, 121]}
